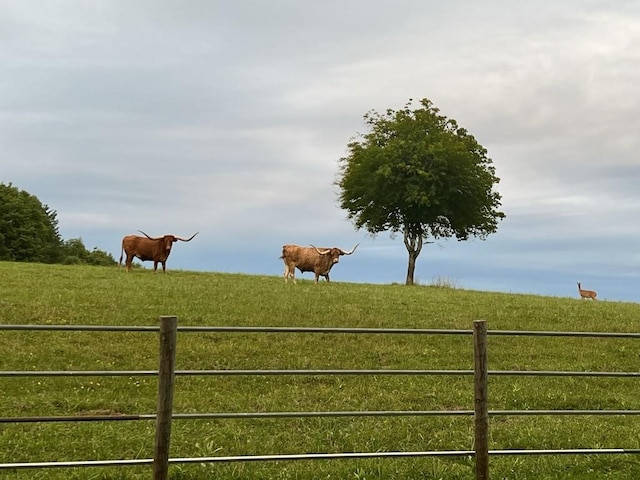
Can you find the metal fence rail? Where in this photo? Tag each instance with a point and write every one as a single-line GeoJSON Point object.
{"type": "Point", "coordinates": [264, 373]}
{"type": "Point", "coordinates": [242, 415]}
{"type": "Point", "coordinates": [165, 415]}
{"type": "Point", "coordinates": [301, 414]}
{"type": "Point", "coordinates": [391, 331]}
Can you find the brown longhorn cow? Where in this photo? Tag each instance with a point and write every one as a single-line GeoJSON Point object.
{"type": "Point", "coordinates": [311, 259]}
{"type": "Point", "coordinates": [156, 249]}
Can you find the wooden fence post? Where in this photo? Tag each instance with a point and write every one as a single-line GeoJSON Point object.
{"type": "Point", "coordinates": [480, 376]}
{"type": "Point", "coordinates": [166, 376]}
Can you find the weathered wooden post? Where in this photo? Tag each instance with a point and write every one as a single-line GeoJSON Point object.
{"type": "Point", "coordinates": [480, 376]}
{"type": "Point", "coordinates": [166, 376]}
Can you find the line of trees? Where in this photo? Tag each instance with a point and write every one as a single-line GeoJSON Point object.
{"type": "Point", "coordinates": [29, 233]}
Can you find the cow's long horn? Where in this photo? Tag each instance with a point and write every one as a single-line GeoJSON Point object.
{"type": "Point", "coordinates": [321, 253]}
{"type": "Point", "coordinates": [150, 238]}
{"type": "Point", "coordinates": [187, 239]}
{"type": "Point", "coordinates": [352, 250]}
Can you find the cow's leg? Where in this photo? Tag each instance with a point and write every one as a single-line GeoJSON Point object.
{"type": "Point", "coordinates": [155, 266]}
{"type": "Point", "coordinates": [326, 277]}
{"type": "Point", "coordinates": [128, 262]}
{"type": "Point", "coordinates": [164, 267]}
{"type": "Point", "coordinates": [289, 271]}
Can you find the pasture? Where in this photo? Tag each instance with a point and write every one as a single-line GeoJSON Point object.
{"type": "Point", "coordinates": [55, 294]}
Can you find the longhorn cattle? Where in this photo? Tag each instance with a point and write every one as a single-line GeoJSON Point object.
{"type": "Point", "coordinates": [311, 259]}
{"type": "Point", "coordinates": [156, 249]}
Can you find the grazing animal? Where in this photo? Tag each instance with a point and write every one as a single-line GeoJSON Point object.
{"type": "Point", "coordinates": [156, 249]}
{"type": "Point", "coordinates": [586, 293]}
{"type": "Point", "coordinates": [311, 259]}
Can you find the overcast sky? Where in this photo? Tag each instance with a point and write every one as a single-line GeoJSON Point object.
{"type": "Point", "coordinates": [230, 117]}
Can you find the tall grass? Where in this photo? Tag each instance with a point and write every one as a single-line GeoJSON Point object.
{"type": "Point", "coordinates": [53, 294]}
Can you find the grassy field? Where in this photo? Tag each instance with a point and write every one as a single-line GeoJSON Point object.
{"type": "Point", "coordinates": [52, 294]}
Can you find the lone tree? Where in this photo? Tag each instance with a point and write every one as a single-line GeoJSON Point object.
{"type": "Point", "coordinates": [419, 173]}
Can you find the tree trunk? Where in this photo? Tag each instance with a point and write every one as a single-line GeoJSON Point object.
{"type": "Point", "coordinates": [411, 268]}
{"type": "Point", "coordinates": [414, 245]}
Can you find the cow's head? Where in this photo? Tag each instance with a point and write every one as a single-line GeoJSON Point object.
{"type": "Point", "coordinates": [168, 240]}
{"type": "Point", "coordinates": [334, 253]}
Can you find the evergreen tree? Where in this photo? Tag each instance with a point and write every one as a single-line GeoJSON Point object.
{"type": "Point", "coordinates": [28, 229]}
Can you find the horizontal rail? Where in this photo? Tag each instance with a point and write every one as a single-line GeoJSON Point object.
{"type": "Point", "coordinates": [321, 456]}
{"type": "Point", "coordinates": [146, 373]}
{"type": "Point", "coordinates": [76, 464]}
{"type": "Point", "coordinates": [570, 451]}
{"type": "Point", "coordinates": [358, 413]}
{"type": "Point", "coordinates": [437, 453]}
{"type": "Point", "coordinates": [542, 333]}
{"type": "Point", "coordinates": [543, 373]}
{"type": "Point", "coordinates": [393, 331]}
{"type": "Point", "coordinates": [231, 329]}
{"type": "Point", "coordinates": [240, 415]}
{"type": "Point", "coordinates": [82, 328]}
{"type": "Point", "coordinates": [275, 372]}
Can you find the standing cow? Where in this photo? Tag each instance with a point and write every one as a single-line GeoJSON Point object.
{"type": "Point", "coordinates": [156, 249]}
{"type": "Point", "coordinates": [311, 259]}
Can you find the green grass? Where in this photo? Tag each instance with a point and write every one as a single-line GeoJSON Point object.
{"type": "Point", "coordinates": [53, 294]}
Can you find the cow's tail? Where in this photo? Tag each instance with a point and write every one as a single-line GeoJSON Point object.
{"type": "Point", "coordinates": [121, 254]}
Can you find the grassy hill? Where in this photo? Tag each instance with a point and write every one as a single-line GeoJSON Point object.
{"type": "Point", "coordinates": [53, 294]}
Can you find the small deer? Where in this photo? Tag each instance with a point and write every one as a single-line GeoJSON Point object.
{"type": "Point", "coordinates": [586, 293]}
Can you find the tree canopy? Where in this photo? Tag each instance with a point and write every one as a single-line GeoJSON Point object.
{"type": "Point", "coordinates": [29, 233]}
{"type": "Point", "coordinates": [75, 253]}
{"type": "Point", "coordinates": [417, 172]}
{"type": "Point", "coordinates": [28, 229]}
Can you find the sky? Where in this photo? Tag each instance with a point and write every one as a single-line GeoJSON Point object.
{"type": "Point", "coordinates": [230, 119]}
